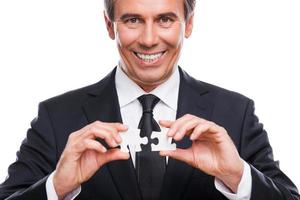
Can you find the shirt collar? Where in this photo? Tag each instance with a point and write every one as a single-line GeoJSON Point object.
{"type": "Point", "coordinates": [128, 91]}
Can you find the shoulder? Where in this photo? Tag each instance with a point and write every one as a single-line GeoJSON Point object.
{"type": "Point", "coordinates": [77, 97]}
{"type": "Point", "coordinates": [215, 93]}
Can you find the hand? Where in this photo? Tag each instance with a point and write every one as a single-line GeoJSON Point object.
{"type": "Point", "coordinates": [83, 155]}
{"type": "Point", "coordinates": [212, 150]}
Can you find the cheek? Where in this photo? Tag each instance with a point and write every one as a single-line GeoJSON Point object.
{"type": "Point", "coordinates": [126, 38]}
{"type": "Point", "coordinates": [173, 37]}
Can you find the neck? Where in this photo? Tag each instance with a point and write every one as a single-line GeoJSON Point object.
{"type": "Point", "coordinates": [148, 88]}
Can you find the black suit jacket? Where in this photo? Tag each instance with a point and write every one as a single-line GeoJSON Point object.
{"type": "Point", "coordinates": [64, 114]}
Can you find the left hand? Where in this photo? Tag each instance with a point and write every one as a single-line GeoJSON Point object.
{"type": "Point", "coordinates": [212, 150]}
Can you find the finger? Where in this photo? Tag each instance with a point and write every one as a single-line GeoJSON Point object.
{"type": "Point", "coordinates": [166, 123]}
{"type": "Point", "coordinates": [179, 154]}
{"type": "Point", "coordinates": [119, 126]}
{"type": "Point", "coordinates": [176, 124]}
{"type": "Point", "coordinates": [114, 129]}
{"type": "Point", "coordinates": [100, 132]}
{"type": "Point", "coordinates": [77, 134]}
{"type": "Point", "coordinates": [82, 133]}
{"type": "Point", "coordinates": [209, 128]}
{"type": "Point", "coordinates": [186, 128]}
{"type": "Point", "coordinates": [106, 131]}
{"type": "Point", "coordinates": [87, 127]}
{"type": "Point", "coordinates": [91, 145]}
{"type": "Point", "coordinates": [86, 131]}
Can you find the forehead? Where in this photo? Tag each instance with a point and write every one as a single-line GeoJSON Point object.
{"type": "Point", "coordinates": [149, 7]}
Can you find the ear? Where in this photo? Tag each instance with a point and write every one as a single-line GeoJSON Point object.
{"type": "Point", "coordinates": [189, 26]}
{"type": "Point", "coordinates": [109, 26]}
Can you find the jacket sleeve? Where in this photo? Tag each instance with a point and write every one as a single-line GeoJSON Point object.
{"type": "Point", "coordinates": [36, 159]}
{"type": "Point", "coordinates": [268, 181]}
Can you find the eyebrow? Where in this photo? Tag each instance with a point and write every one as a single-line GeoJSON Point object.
{"type": "Point", "coordinates": [168, 14]}
{"type": "Point", "coordinates": [134, 15]}
{"type": "Point", "coordinates": [129, 15]}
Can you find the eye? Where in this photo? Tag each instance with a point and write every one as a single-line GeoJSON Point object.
{"type": "Point", "coordinates": [133, 20]}
{"type": "Point", "coordinates": [165, 21]}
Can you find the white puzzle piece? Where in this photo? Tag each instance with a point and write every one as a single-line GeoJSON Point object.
{"type": "Point", "coordinates": [132, 139]}
{"type": "Point", "coordinates": [163, 141]}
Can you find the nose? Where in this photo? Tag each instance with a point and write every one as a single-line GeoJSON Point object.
{"type": "Point", "coordinates": [149, 36]}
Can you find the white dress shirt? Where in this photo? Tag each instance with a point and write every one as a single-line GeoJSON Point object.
{"type": "Point", "coordinates": [131, 111]}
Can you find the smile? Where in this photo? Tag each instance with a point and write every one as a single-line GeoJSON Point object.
{"type": "Point", "coordinates": [149, 58]}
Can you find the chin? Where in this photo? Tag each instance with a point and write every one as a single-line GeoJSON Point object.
{"type": "Point", "coordinates": [151, 77]}
{"type": "Point", "coordinates": [152, 82]}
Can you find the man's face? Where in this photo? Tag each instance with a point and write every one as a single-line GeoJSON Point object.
{"type": "Point", "coordinates": [149, 35]}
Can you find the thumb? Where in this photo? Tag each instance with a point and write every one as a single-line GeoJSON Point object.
{"type": "Point", "coordinates": [166, 123]}
{"type": "Point", "coordinates": [179, 154]}
{"type": "Point", "coordinates": [115, 154]}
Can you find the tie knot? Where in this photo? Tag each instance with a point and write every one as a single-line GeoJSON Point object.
{"type": "Point", "coordinates": [148, 102]}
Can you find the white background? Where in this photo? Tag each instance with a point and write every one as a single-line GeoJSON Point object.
{"type": "Point", "coordinates": [253, 47]}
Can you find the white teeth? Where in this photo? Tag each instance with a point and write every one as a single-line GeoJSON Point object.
{"type": "Point", "coordinates": [149, 57]}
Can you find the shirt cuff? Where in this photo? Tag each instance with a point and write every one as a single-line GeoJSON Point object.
{"type": "Point", "coordinates": [51, 193]}
{"type": "Point", "coordinates": [244, 188]}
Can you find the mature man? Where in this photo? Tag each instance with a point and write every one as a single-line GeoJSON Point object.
{"type": "Point", "coordinates": [71, 150]}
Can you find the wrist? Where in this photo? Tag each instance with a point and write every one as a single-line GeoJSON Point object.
{"type": "Point", "coordinates": [60, 188]}
{"type": "Point", "coordinates": [233, 179]}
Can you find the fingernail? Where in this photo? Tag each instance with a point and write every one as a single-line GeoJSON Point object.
{"type": "Point", "coordinates": [115, 144]}
{"type": "Point", "coordinates": [162, 153]}
{"type": "Point", "coordinates": [119, 139]}
{"type": "Point", "coordinates": [177, 135]}
{"type": "Point", "coordinates": [170, 133]}
{"type": "Point", "coordinates": [192, 137]}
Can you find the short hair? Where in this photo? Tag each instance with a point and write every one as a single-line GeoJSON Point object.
{"type": "Point", "coordinates": [189, 6]}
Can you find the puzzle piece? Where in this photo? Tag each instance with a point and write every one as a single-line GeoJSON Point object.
{"type": "Point", "coordinates": [132, 139]}
{"type": "Point", "coordinates": [163, 141]}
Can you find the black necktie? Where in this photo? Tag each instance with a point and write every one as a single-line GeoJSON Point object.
{"type": "Point", "coordinates": [150, 165]}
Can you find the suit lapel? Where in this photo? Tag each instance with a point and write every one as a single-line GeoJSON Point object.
{"type": "Point", "coordinates": [104, 106]}
{"type": "Point", "coordinates": [193, 99]}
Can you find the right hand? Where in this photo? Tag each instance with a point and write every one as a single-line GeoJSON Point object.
{"type": "Point", "coordinates": [83, 155]}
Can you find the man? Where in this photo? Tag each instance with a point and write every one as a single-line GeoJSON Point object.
{"type": "Point", "coordinates": [71, 150]}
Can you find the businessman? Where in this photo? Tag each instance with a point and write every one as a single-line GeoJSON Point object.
{"type": "Point", "coordinates": [71, 150]}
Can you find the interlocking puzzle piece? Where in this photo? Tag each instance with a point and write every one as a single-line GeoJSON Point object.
{"type": "Point", "coordinates": [163, 141]}
{"type": "Point", "coordinates": [132, 139]}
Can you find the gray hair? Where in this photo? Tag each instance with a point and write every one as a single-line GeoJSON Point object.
{"type": "Point", "coordinates": [189, 6]}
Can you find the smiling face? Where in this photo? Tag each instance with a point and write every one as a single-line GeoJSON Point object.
{"type": "Point", "coordinates": [149, 35]}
